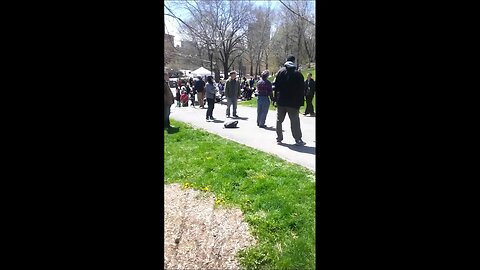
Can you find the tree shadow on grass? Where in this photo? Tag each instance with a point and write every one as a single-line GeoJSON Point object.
{"type": "Point", "coordinates": [298, 148]}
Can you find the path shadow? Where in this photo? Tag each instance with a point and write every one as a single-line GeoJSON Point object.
{"type": "Point", "coordinates": [173, 130]}
{"type": "Point", "coordinates": [241, 118]}
{"type": "Point", "coordinates": [302, 149]}
{"type": "Point", "coordinates": [271, 129]}
{"type": "Point", "coordinates": [218, 121]}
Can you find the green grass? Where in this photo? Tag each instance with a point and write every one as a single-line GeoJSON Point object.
{"type": "Point", "coordinates": [276, 197]}
{"type": "Point", "coordinates": [253, 101]}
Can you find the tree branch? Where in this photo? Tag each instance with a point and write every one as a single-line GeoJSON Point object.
{"type": "Point", "coordinates": [303, 18]}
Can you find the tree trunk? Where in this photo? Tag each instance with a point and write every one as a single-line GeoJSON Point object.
{"type": "Point", "coordinates": [266, 60]}
{"type": "Point", "coordinates": [211, 64]}
{"type": "Point", "coordinates": [308, 52]}
{"type": "Point", "coordinates": [299, 44]}
{"type": "Point", "coordinates": [225, 67]}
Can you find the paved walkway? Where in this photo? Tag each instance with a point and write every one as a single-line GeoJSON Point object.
{"type": "Point", "coordinates": [248, 133]}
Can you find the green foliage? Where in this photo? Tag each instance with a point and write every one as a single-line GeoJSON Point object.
{"type": "Point", "coordinates": [277, 197]}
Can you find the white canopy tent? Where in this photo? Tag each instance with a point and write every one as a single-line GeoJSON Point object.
{"type": "Point", "coordinates": [201, 72]}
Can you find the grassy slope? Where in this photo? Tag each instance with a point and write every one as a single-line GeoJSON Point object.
{"type": "Point", "coordinates": [277, 198]}
{"type": "Point", "coordinates": [253, 101]}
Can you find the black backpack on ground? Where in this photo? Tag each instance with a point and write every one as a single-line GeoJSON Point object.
{"type": "Point", "coordinates": [231, 124]}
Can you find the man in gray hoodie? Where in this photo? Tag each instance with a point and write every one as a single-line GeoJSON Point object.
{"type": "Point", "coordinates": [232, 92]}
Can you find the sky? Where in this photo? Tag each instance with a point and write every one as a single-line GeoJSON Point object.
{"type": "Point", "coordinates": [172, 25]}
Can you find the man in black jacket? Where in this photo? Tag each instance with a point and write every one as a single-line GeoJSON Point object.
{"type": "Point", "coordinates": [199, 87]}
{"type": "Point", "coordinates": [289, 95]}
{"type": "Point", "coordinates": [309, 93]}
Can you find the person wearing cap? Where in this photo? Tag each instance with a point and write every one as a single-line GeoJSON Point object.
{"type": "Point", "coordinates": [168, 100]}
{"type": "Point", "coordinates": [289, 95]}
{"type": "Point", "coordinates": [264, 87]}
{"type": "Point", "coordinates": [232, 92]}
{"type": "Point", "coordinates": [309, 93]}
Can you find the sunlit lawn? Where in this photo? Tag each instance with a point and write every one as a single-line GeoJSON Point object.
{"type": "Point", "coordinates": [276, 197]}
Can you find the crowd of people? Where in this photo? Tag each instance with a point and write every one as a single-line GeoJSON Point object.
{"type": "Point", "coordinates": [288, 93]}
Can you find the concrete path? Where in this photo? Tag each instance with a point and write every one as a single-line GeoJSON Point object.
{"type": "Point", "coordinates": [248, 133]}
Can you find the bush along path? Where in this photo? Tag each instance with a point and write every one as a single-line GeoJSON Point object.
{"type": "Point", "coordinates": [277, 198]}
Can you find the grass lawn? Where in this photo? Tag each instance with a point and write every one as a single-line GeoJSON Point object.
{"type": "Point", "coordinates": [277, 197]}
{"type": "Point", "coordinates": [253, 101]}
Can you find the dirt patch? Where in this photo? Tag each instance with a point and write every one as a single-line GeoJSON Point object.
{"type": "Point", "coordinates": [199, 236]}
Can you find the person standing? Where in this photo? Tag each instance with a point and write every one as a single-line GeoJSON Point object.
{"type": "Point", "coordinates": [200, 89]}
{"type": "Point", "coordinates": [177, 96]}
{"type": "Point", "coordinates": [252, 82]}
{"type": "Point", "coordinates": [184, 97]}
{"type": "Point", "coordinates": [168, 100]}
{"type": "Point", "coordinates": [179, 83]}
{"type": "Point", "coordinates": [289, 95]}
{"type": "Point", "coordinates": [192, 97]}
{"type": "Point", "coordinates": [309, 93]}
{"type": "Point", "coordinates": [221, 90]}
{"type": "Point", "coordinates": [210, 92]}
{"type": "Point", "coordinates": [232, 92]}
{"type": "Point", "coordinates": [265, 92]}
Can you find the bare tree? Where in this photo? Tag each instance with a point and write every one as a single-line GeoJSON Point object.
{"type": "Point", "coordinates": [296, 13]}
{"type": "Point", "coordinates": [291, 35]}
{"type": "Point", "coordinates": [217, 25]}
{"type": "Point", "coordinates": [225, 31]}
{"type": "Point", "coordinates": [258, 37]}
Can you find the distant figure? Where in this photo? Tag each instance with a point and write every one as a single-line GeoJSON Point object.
{"type": "Point", "coordinates": [192, 97]}
{"type": "Point", "coordinates": [309, 93]}
{"type": "Point", "coordinates": [200, 89]}
{"type": "Point", "coordinates": [248, 93]}
{"type": "Point", "coordinates": [168, 101]}
{"type": "Point", "coordinates": [184, 98]}
{"type": "Point", "coordinates": [177, 96]}
{"type": "Point", "coordinates": [210, 91]}
{"type": "Point", "coordinates": [289, 95]}
{"type": "Point", "coordinates": [221, 90]}
{"type": "Point", "coordinates": [265, 92]}
{"type": "Point", "coordinates": [232, 92]}
{"type": "Point", "coordinates": [243, 84]}
{"type": "Point", "coordinates": [252, 82]}
{"type": "Point", "coordinates": [244, 92]}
